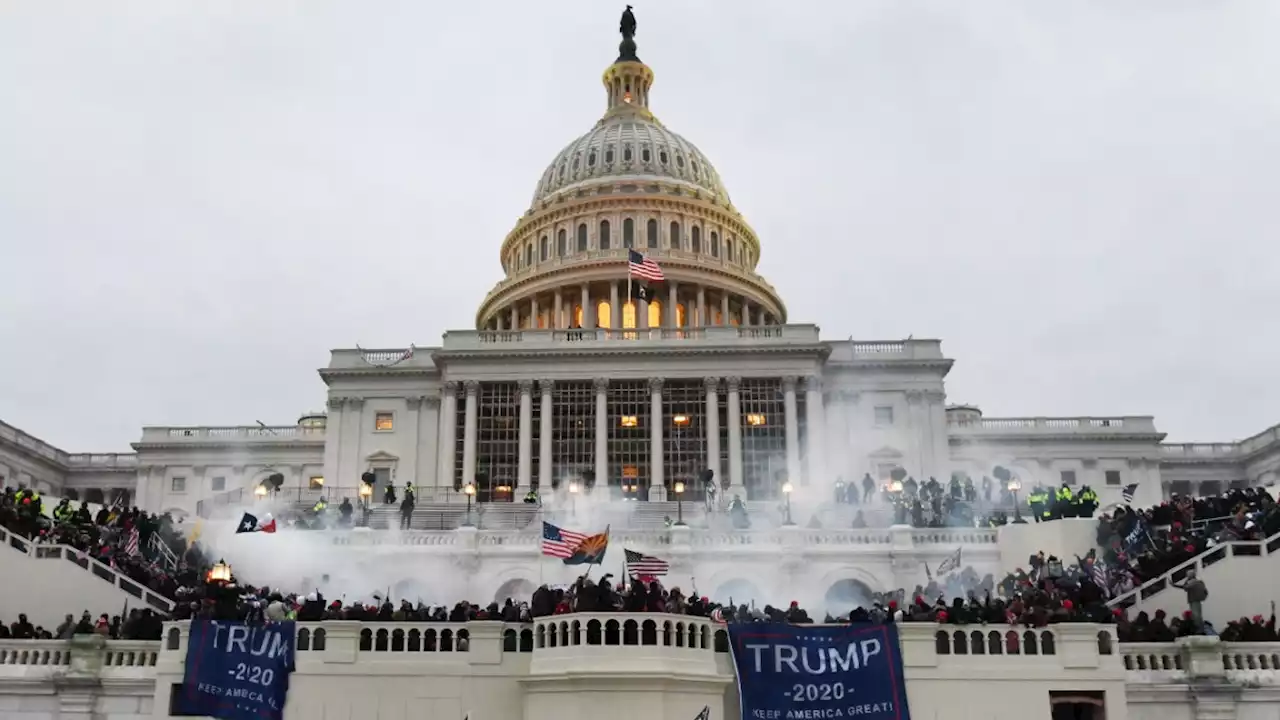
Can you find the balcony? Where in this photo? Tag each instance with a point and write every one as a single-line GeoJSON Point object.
{"type": "Point", "coordinates": [256, 434]}
{"type": "Point", "coordinates": [499, 341]}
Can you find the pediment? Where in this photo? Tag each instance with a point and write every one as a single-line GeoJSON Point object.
{"type": "Point", "coordinates": [381, 456]}
{"type": "Point", "coordinates": [886, 453]}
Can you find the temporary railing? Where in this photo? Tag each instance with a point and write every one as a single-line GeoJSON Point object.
{"type": "Point", "coordinates": [40, 551]}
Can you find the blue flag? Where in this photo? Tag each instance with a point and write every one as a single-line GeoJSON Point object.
{"type": "Point", "coordinates": [819, 671]}
{"type": "Point", "coordinates": [237, 670]}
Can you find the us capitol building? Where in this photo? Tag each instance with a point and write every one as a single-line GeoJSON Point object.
{"type": "Point", "coordinates": [612, 397]}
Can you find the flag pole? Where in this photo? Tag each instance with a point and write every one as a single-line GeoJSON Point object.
{"type": "Point", "coordinates": [635, 315]}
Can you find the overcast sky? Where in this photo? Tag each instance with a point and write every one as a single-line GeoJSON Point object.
{"type": "Point", "coordinates": [199, 199]}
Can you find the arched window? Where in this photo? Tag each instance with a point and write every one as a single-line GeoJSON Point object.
{"type": "Point", "coordinates": [651, 233]}
{"type": "Point", "coordinates": [604, 315]}
{"type": "Point", "coordinates": [675, 235]}
{"type": "Point", "coordinates": [695, 239]}
{"type": "Point", "coordinates": [577, 316]}
{"type": "Point", "coordinates": [528, 254]}
{"type": "Point", "coordinates": [628, 233]}
{"type": "Point", "coordinates": [561, 245]}
{"type": "Point", "coordinates": [626, 154]}
{"type": "Point", "coordinates": [604, 234]}
{"type": "Point", "coordinates": [629, 314]}
{"type": "Point", "coordinates": [655, 313]}
{"type": "Point", "coordinates": [715, 244]}
{"type": "Point", "coordinates": [680, 315]}
{"type": "Point", "coordinates": [544, 247]}
{"type": "Point", "coordinates": [728, 249]}
{"type": "Point", "coordinates": [582, 237]}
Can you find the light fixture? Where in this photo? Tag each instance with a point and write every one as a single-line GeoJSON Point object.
{"type": "Point", "coordinates": [504, 488]}
{"type": "Point", "coordinates": [787, 488]}
{"type": "Point", "coordinates": [1015, 484]}
{"type": "Point", "coordinates": [260, 491]}
{"type": "Point", "coordinates": [626, 97]}
{"type": "Point", "coordinates": [469, 489]}
{"type": "Point", "coordinates": [366, 491]}
{"type": "Point", "coordinates": [895, 486]}
{"type": "Point", "coordinates": [629, 421]}
{"type": "Point", "coordinates": [679, 487]}
{"type": "Point", "coordinates": [680, 419]}
{"type": "Point", "coordinates": [573, 487]}
{"type": "Point", "coordinates": [755, 419]}
{"type": "Point", "coordinates": [220, 573]}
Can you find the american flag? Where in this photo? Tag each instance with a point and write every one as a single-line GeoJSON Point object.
{"type": "Point", "coordinates": [1128, 492]}
{"type": "Point", "coordinates": [643, 267]}
{"type": "Point", "coordinates": [558, 542]}
{"type": "Point", "coordinates": [949, 563]}
{"type": "Point", "coordinates": [131, 542]}
{"type": "Point", "coordinates": [1099, 576]}
{"type": "Point", "coordinates": [645, 567]}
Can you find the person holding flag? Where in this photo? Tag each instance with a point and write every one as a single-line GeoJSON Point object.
{"type": "Point", "coordinates": [250, 524]}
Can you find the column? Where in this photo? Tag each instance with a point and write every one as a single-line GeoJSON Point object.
{"type": "Point", "coordinates": [557, 320]}
{"type": "Point", "coordinates": [408, 465]}
{"type": "Point", "coordinates": [746, 313]}
{"type": "Point", "coordinates": [657, 489]}
{"type": "Point", "coordinates": [735, 437]}
{"type": "Point", "coordinates": [332, 446]}
{"type": "Point", "coordinates": [713, 427]}
{"type": "Point", "coordinates": [588, 317]}
{"type": "Point", "coordinates": [602, 431]}
{"type": "Point", "coordinates": [447, 442]}
{"type": "Point", "coordinates": [724, 309]}
{"type": "Point", "coordinates": [515, 316]}
{"type": "Point", "coordinates": [615, 310]}
{"type": "Point", "coordinates": [472, 389]}
{"type": "Point", "coordinates": [815, 418]}
{"type": "Point", "coordinates": [642, 314]}
{"type": "Point", "coordinates": [497, 322]}
{"type": "Point", "coordinates": [544, 435]}
{"type": "Point", "coordinates": [524, 466]}
{"type": "Point", "coordinates": [792, 429]}
{"type": "Point", "coordinates": [533, 314]}
{"type": "Point", "coordinates": [702, 307]}
{"type": "Point", "coordinates": [673, 299]}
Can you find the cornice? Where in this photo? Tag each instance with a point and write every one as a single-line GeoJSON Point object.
{"type": "Point", "coordinates": [206, 445]}
{"type": "Point", "coordinates": [1038, 439]}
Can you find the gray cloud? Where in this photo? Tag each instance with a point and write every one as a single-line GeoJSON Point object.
{"type": "Point", "coordinates": [198, 200]}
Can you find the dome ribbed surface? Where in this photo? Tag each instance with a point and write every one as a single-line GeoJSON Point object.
{"type": "Point", "coordinates": [629, 149]}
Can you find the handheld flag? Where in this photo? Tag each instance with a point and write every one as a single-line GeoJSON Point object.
{"type": "Point", "coordinates": [705, 714]}
{"type": "Point", "coordinates": [250, 524]}
{"type": "Point", "coordinates": [590, 551]}
{"type": "Point", "coordinates": [1128, 492]}
{"type": "Point", "coordinates": [558, 542]}
{"type": "Point", "coordinates": [949, 563]}
{"type": "Point", "coordinates": [645, 568]}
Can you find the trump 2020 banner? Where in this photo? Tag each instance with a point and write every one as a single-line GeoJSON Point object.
{"type": "Point", "coordinates": [798, 671]}
{"type": "Point", "coordinates": [237, 670]}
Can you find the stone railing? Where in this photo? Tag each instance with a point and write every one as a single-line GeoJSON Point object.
{"type": "Point", "coordinates": [80, 462]}
{"type": "Point", "coordinates": [1129, 425]}
{"type": "Point", "coordinates": [237, 434]}
{"type": "Point", "coordinates": [1222, 451]}
{"type": "Point", "coordinates": [32, 444]}
{"type": "Point", "coordinates": [1215, 554]}
{"type": "Point", "coordinates": [1202, 658]}
{"type": "Point", "coordinates": [533, 339]}
{"type": "Point", "coordinates": [838, 541]}
{"type": "Point", "coordinates": [53, 553]}
{"type": "Point", "coordinates": [82, 655]}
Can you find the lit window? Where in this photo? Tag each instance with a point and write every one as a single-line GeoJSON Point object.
{"type": "Point", "coordinates": [219, 484]}
{"type": "Point", "coordinates": [655, 313]}
{"type": "Point", "coordinates": [316, 482]}
{"type": "Point", "coordinates": [178, 484]}
{"type": "Point", "coordinates": [755, 419]}
{"type": "Point", "coordinates": [629, 421]}
{"type": "Point", "coordinates": [604, 314]}
{"type": "Point", "coordinates": [384, 421]}
{"type": "Point", "coordinates": [884, 415]}
{"type": "Point", "coordinates": [680, 419]}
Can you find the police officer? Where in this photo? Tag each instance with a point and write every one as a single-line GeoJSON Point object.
{"type": "Point", "coordinates": [1036, 499]}
{"type": "Point", "coordinates": [1063, 502]}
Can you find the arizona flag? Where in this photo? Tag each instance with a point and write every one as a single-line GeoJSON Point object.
{"type": "Point", "coordinates": [249, 524]}
{"type": "Point", "coordinates": [590, 551]}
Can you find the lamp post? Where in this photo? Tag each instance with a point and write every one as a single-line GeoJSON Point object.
{"type": "Point", "coordinates": [678, 488]}
{"type": "Point", "coordinates": [470, 491]}
{"type": "Point", "coordinates": [573, 498]}
{"type": "Point", "coordinates": [786, 493]}
{"type": "Point", "coordinates": [895, 497]}
{"type": "Point", "coordinates": [219, 574]}
{"type": "Point", "coordinates": [260, 492]}
{"type": "Point", "coordinates": [1014, 486]}
{"type": "Point", "coordinates": [365, 492]}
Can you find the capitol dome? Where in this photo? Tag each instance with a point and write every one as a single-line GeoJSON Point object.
{"type": "Point", "coordinates": [629, 185]}
{"type": "Point", "coordinates": [635, 149]}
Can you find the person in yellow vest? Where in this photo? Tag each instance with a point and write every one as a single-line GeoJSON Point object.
{"type": "Point", "coordinates": [1087, 501]}
{"type": "Point", "coordinates": [1063, 502]}
{"type": "Point", "coordinates": [1036, 501]}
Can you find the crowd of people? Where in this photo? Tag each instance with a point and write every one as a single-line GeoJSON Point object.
{"type": "Point", "coordinates": [136, 624]}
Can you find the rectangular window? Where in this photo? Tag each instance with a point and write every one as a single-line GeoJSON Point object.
{"type": "Point", "coordinates": [178, 484]}
{"type": "Point", "coordinates": [884, 415]}
{"type": "Point", "coordinates": [384, 421]}
{"type": "Point", "coordinates": [1068, 477]}
{"type": "Point", "coordinates": [1113, 477]}
{"type": "Point", "coordinates": [316, 482]}
{"type": "Point", "coordinates": [219, 484]}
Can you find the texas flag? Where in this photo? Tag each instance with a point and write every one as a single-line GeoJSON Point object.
{"type": "Point", "coordinates": [249, 524]}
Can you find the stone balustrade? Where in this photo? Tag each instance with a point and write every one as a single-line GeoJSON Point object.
{"type": "Point", "coordinates": [1127, 425]}
{"type": "Point", "coordinates": [877, 541]}
{"type": "Point", "coordinates": [238, 434]}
